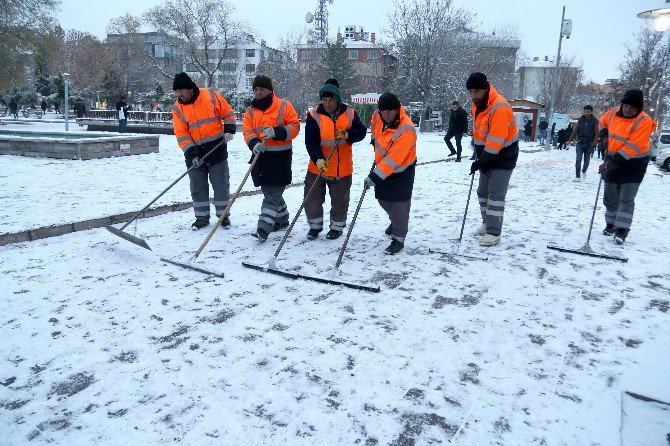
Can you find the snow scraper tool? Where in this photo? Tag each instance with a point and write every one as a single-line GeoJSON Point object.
{"type": "Point", "coordinates": [271, 265]}
{"type": "Point", "coordinates": [586, 248]}
{"type": "Point", "coordinates": [216, 226]}
{"type": "Point", "coordinates": [455, 250]}
{"type": "Point", "coordinates": [136, 240]}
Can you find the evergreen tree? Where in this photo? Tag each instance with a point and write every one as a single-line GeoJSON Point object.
{"type": "Point", "coordinates": [335, 64]}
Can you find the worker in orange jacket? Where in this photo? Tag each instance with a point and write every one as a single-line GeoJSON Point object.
{"type": "Point", "coordinates": [270, 124]}
{"type": "Point", "coordinates": [495, 136]}
{"type": "Point", "coordinates": [394, 140]}
{"type": "Point", "coordinates": [330, 127]}
{"type": "Point", "coordinates": [202, 119]}
{"type": "Point", "coordinates": [627, 128]}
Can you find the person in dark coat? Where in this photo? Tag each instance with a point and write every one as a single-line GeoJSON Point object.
{"type": "Point", "coordinates": [458, 126]}
{"type": "Point", "coordinates": [122, 109]}
{"type": "Point", "coordinates": [14, 108]}
{"type": "Point", "coordinates": [562, 137]}
{"type": "Point", "coordinates": [553, 134]}
{"type": "Point", "coordinates": [527, 130]}
{"type": "Point", "coordinates": [542, 126]}
{"type": "Point", "coordinates": [43, 105]}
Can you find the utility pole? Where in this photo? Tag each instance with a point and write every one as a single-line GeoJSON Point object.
{"type": "Point", "coordinates": [566, 30]}
{"type": "Point", "coordinates": [66, 106]}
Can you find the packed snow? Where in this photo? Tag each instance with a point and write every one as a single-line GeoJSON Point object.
{"type": "Point", "coordinates": [103, 343]}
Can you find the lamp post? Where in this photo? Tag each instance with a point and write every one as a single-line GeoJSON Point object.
{"type": "Point", "coordinates": [66, 107]}
{"type": "Point", "coordinates": [659, 20]}
{"type": "Point", "coordinates": [566, 30]}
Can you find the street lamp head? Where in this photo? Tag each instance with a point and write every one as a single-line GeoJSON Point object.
{"type": "Point", "coordinates": [657, 19]}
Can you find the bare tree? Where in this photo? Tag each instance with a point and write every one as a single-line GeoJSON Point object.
{"type": "Point", "coordinates": [205, 29]}
{"type": "Point", "coordinates": [423, 31]}
{"type": "Point", "coordinates": [569, 82]}
{"type": "Point", "coordinates": [21, 23]}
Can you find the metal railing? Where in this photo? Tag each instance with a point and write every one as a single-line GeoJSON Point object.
{"type": "Point", "coordinates": [144, 116]}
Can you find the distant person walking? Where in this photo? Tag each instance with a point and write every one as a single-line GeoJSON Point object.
{"type": "Point", "coordinates": [458, 126]}
{"type": "Point", "coordinates": [14, 108]}
{"type": "Point", "coordinates": [43, 105]}
{"type": "Point", "coordinates": [122, 108]}
{"type": "Point", "coordinates": [56, 107]}
{"type": "Point", "coordinates": [543, 126]}
{"type": "Point", "coordinates": [586, 133]}
{"type": "Point", "coordinates": [628, 129]}
{"type": "Point", "coordinates": [552, 141]}
{"type": "Point", "coordinates": [527, 130]}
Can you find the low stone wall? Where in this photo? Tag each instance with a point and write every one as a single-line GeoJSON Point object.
{"type": "Point", "coordinates": [82, 149]}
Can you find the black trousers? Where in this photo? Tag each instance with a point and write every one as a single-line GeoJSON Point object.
{"type": "Point", "coordinates": [447, 139]}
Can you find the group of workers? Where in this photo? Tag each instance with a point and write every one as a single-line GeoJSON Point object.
{"type": "Point", "coordinates": [204, 123]}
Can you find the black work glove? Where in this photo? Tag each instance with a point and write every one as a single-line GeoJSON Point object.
{"type": "Point", "coordinates": [475, 167]}
{"type": "Point", "coordinates": [607, 166]}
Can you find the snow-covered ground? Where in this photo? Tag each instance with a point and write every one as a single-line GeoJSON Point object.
{"type": "Point", "coordinates": [103, 343]}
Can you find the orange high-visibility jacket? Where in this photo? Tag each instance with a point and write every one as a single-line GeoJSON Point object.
{"type": "Point", "coordinates": [495, 127]}
{"type": "Point", "coordinates": [628, 137]}
{"type": "Point", "coordinates": [200, 122]}
{"type": "Point", "coordinates": [341, 163]}
{"type": "Point", "coordinates": [395, 148]}
{"type": "Point", "coordinates": [280, 114]}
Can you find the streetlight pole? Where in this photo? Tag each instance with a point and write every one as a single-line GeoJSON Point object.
{"type": "Point", "coordinates": [566, 29]}
{"type": "Point", "coordinates": [659, 20]}
{"type": "Point", "coordinates": [66, 107]}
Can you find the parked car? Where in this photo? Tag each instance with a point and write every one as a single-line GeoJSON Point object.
{"type": "Point", "coordinates": [662, 143]}
{"type": "Point", "coordinates": [663, 158]}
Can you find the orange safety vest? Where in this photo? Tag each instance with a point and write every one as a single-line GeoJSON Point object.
{"type": "Point", "coordinates": [629, 137]}
{"type": "Point", "coordinates": [280, 113]}
{"type": "Point", "coordinates": [342, 161]}
{"type": "Point", "coordinates": [495, 127]}
{"type": "Point", "coordinates": [395, 148]}
{"type": "Point", "coordinates": [200, 122]}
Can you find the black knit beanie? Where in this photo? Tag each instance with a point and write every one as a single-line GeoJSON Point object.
{"type": "Point", "coordinates": [477, 81]}
{"type": "Point", "coordinates": [263, 82]}
{"type": "Point", "coordinates": [183, 82]}
{"type": "Point", "coordinates": [333, 81]}
{"type": "Point", "coordinates": [388, 101]}
{"type": "Point", "coordinates": [634, 98]}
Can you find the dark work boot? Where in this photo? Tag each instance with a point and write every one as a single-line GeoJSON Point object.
{"type": "Point", "coordinates": [333, 234]}
{"type": "Point", "coordinates": [609, 230]}
{"type": "Point", "coordinates": [200, 223]}
{"type": "Point", "coordinates": [389, 230]}
{"type": "Point", "coordinates": [620, 236]}
{"type": "Point", "coordinates": [260, 234]}
{"type": "Point", "coordinates": [225, 223]}
{"type": "Point", "coordinates": [279, 226]}
{"type": "Point", "coordinates": [313, 233]}
{"type": "Point", "coordinates": [394, 248]}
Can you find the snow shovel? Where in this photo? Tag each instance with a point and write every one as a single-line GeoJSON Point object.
{"type": "Point", "coordinates": [586, 248]}
{"type": "Point", "coordinates": [455, 250]}
{"type": "Point", "coordinates": [216, 226]}
{"type": "Point", "coordinates": [136, 240]}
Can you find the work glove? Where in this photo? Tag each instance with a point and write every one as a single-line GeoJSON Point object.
{"type": "Point", "coordinates": [368, 183]}
{"type": "Point", "coordinates": [341, 134]}
{"type": "Point", "coordinates": [228, 136]}
{"type": "Point", "coordinates": [258, 148]}
{"type": "Point", "coordinates": [268, 133]}
{"type": "Point", "coordinates": [607, 166]}
{"type": "Point", "coordinates": [476, 165]}
{"type": "Point", "coordinates": [196, 161]}
{"type": "Point", "coordinates": [322, 165]}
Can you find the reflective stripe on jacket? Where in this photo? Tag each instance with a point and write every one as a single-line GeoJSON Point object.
{"type": "Point", "coordinates": [200, 122]}
{"type": "Point", "coordinates": [280, 114]}
{"type": "Point", "coordinates": [495, 127]}
{"type": "Point", "coordinates": [341, 163]}
{"type": "Point", "coordinates": [628, 137]}
{"type": "Point", "coordinates": [395, 147]}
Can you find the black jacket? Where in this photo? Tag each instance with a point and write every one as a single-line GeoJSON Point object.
{"type": "Point", "coordinates": [458, 121]}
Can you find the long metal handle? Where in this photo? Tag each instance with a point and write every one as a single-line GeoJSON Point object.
{"type": "Point", "coordinates": [465, 214]}
{"type": "Point", "coordinates": [588, 239]}
{"type": "Point", "coordinates": [351, 227]}
{"type": "Point", "coordinates": [302, 205]}
{"type": "Point", "coordinates": [170, 186]}
{"type": "Point", "coordinates": [227, 209]}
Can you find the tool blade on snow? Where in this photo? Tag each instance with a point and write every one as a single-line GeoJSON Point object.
{"type": "Point", "coordinates": [192, 268]}
{"type": "Point", "coordinates": [131, 238]}
{"type": "Point", "coordinates": [586, 248]}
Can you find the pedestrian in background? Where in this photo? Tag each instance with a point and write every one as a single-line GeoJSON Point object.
{"type": "Point", "coordinates": [586, 132]}
{"type": "Point", "coordinates": [122, 109]}
{"type": "Point", "coordinates": [543, 126]}
{"type": "Point", "coordinates": [458, 126]}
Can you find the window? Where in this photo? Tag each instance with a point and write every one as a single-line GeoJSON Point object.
{"type": "Point", "coordinates": [353, 54]}
{"type": "Point", "coordinates": [250, 53]}
{"type": "Point", "coordinates": [665, 139]}
{"type": "Point", "coordinates": [372, 54]}
{"type": "Point", "coordinates": [251, 68]}
{"type": "Point", "coordinates": [250, 82]}
{"type": "Point", "coordinates": [305, 55]}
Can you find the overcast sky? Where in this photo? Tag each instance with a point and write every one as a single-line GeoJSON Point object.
{"type": "Point", "coordinates": [599, 31]}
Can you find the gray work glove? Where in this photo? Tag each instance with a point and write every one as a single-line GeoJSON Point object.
{"type": "Point", "coordinates": [368, 183]}
{"type": "Point", "coordinates": [258, 148]}
{"type": "Point", "coordinates": [268, 133]}
{"type": "Point", "coordinates": [197, 162]}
